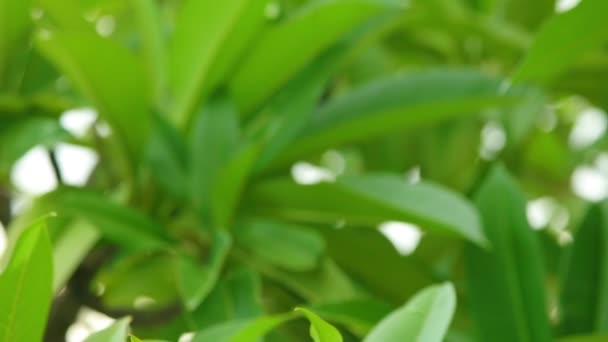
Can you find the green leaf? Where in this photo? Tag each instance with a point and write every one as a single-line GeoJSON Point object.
{"type": "Point", "coordinates": [403, 101]}
{"type": "Point", "coordinates": [359, 315]}
{"type": "Point", "coordinates": [65, 14]}
{"type": "Point", "coordinates": [506, 282]}
{"type": "Point", "coordinates": [241, 331]}
{"type": "Point", "coordinates": [26, 286]}
{"type": "Point", "coordinates": [148, 20]}
{"type": "Point", "coordinates": [228, 188]}
{"type": "Point", "coordinates": [87, 60]}
{"type": "Point", "coordinates": [563, 40]}
{"type": "Point", "coordinates": [290, 45]}
{"type": "Point", "coordinates": [20, 136]}
{"type": "Point", "coordinates": [424, 318]}
{"type": "Point", "coordinates": [584, 295]}
{"type": "Point", "coordinates": [121, 225]}
{"type": "Point", "coordinates": [195, 282]}
{"type": "Point", "coordinates": [70, 249]}
{"type": "Point", "coordinates": [117, 332]}
{"type": "Point", "coordinates": [237, 296]}
{"type": "Point", "coordinates": [388, 274]}
{"type": "Point", "coordinates": [203, 52]}
{"type": "Point", "coordinates": [285, 245]}
{"type": "Point", "coordinates": [586, 338]}
{"type": "Point", "coordinates": [320, 331]}
{"type": "Point", "coordinates": [371, 199]}
{"type": "Point", "coordinates": [15, 24]}
{"type": "Point", "coordinates": [216, 129]}
{"type": "Point", "coordinates": [167, 158]}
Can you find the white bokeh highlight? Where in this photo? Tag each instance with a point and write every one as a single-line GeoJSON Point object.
{"type": "Point", "coordinates": [590, 125]}
{"type": "Point", "coordinates": [33, 173]}
{"type": "Point", "coordinates": [87, 322]}
{"type": "Point", "coordinates": [589, 183]}
{"type": "Point", "coordinates": [565, 5]}
{"type": "Point", "coordinates": [405, 237]}
{"type": "Point", "coordinates": [76, 163]}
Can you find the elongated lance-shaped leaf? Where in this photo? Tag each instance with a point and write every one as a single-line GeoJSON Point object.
{"type": "Point", "coordinates": [584, 290]}
{"type": "Point", "coordinates": [119, 224]}
{"type": "Point", "coordinates": [403, 101]}
{"type": "Point", "coordinates": [563, 40]}
{"type": "Point", "coordinates": [86, 59]}
{"type": "Point", "coordinates": [425, 318]}
{"type": "Point", "coordinates": [14, 27]}
{"type": "Point", "coordinates": [506, 281]}
{"type": "Point", "coordinates": [202, 52]}
{"type": "Point", "coordinates": [370, 200]}
{"type": "Point", "coordinates": [289, 46]}
{"type": "Point", "coordinates": [25, 286]}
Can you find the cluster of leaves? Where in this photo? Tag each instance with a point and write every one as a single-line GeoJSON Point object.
{"type": "Point", "coordinates": [191, 221]}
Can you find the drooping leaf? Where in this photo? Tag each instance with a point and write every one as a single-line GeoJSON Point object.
{"type": "Point", "coordinates": [320, 331]}
{"type": "Point", "coordinates": [425, 318]}
{"type": "Point", "coordinates": [203, 52]}
{"type": "Point", "coordinates": [584, 295]}
{"type": "Point", "coordinates": [119, 224]}
{"type": "Point", "coordinates": [285, 245]}
{"type": "Point", "coordinates": [371, 199]}
{"type": "Point", "coordinates": [289, 46]}
{"type": "Point", "coordinates": [86, 59]}
{"type": "Point", "coordinates": [563, 40]}
{"type": "Point", "coordinates": [513, 267]}
{"type": "Point", "coordinates": [398, 102]}
{"type": "Point", "coordinates": [26, 286]}
{"type": "Point", "coordinates": [195, 281]}
{"type": "Point", "coordinates": [117, 332]}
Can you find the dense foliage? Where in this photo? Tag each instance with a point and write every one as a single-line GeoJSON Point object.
{"type": "Point", "coordinates": [252, 153]}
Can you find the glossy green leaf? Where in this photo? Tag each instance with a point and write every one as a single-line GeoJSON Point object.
{"type": "Point", "coordinates": [563, 40]}
{"type": "Point", "coordinates": [512, 267]}
{"type": "Point", "coordinates": [285, 245]}
{"type": "Point", "coordinates": [289, 46]}
{"type": "Point", "coordinates": [121, 225]}
{"type": "Point", "coordinates": [203, 52]}
{"type": "Point", "coordinates": [214, 140]}
{"type": "Point", "coordinates": [371, 199]}
{"type": "Point", "coordinates": [117, 332]}
{"type": "Point", "coordinates": [320, 331]}
{"type": "Point", "coordinates": [26, 286]}
{"type": "Point", "coordinates": [403, 101]}
{"type": "Point", "coordinates": [86, 59]}
{"type": "Point", "coordinates": [241, 331]}
{"type": "Point", "coordinates": [65, 14]}
{"type": "Point", "coordinates": [424, 318]}
{"type": "Point", "coordinates": [196, 281]}
{"type": "Point", "coordinates": [584, 295]}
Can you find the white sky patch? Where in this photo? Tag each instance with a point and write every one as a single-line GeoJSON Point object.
{"type": "Point", "coordinates": [493, 140]}
{"type": "Point", "coordinates": [87, 322]}
{"type": "Point", "coordinates": [33, 173]}
{"type": "Point", "coordinates": [2, 240]}
{"type": "Point", "coordinates": [76, 163]}
{"type": "Point", "coordinates": [306, 173]}
{"type": "Point", "coordinates": [404, 236]}
{"type": "Point", "coordinates": [105, 25]}
{"type": "Point", "coordinates": [590, 125]}
{"type": "Point", "coordinates": [589, 183]}
{"type": "Point", "coordinates": [78, 121]}
{"type": "Point", "coordinates": [565, 5]}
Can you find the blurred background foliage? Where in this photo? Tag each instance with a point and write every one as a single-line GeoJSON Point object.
{"type": "Point", "coordinates": [240, 151]}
